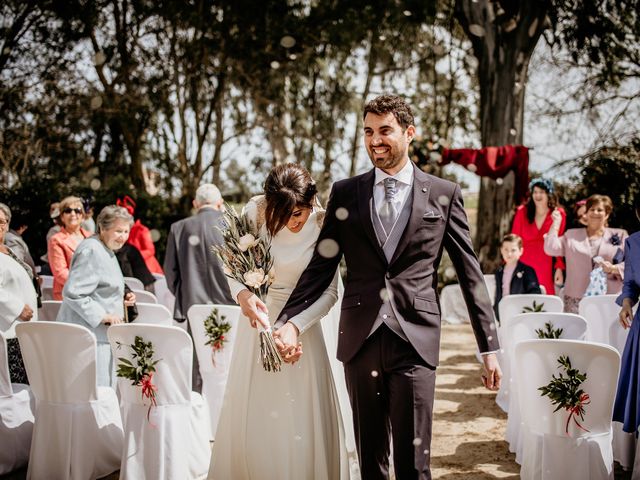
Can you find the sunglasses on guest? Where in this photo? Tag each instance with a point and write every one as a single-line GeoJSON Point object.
{"type": "Point", "coordinates": [69, 210]}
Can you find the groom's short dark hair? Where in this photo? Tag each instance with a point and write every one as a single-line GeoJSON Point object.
{"type": "Point", "coordinates": [391, 104]}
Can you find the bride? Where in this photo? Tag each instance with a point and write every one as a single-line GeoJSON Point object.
{"type": "Point", "coordinates": [294, 424]}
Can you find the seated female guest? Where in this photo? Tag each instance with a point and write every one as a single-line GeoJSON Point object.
{"type": "Point", "coordinates": [94, 292]}
{"type": "Point", "coordinates": [595, 245]}
{"type": "Point", "coordinates": [17, 299]}
{"type": "Point", "coordinates": [63, 244]}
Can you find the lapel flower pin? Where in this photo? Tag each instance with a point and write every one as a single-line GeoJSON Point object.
{"type": "Point", "coordinates": [615, 239]}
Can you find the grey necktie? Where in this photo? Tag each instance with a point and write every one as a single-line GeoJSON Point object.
{"type": "Point", "coordinates": [388, 212]}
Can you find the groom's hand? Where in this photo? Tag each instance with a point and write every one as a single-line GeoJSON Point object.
{"type": "Point", "coordinates": [286, 338]}
{"type": "Point", "coordinates": [253, 308]}
{"type": "Point", "coordinates": [492, 374]}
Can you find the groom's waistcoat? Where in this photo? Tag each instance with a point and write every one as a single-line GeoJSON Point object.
{"type": "Point", "coordinates": [388, 313]}
{"type": "Point", "coordinates": [436, 220]}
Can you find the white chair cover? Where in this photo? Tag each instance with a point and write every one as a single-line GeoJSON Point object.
{"type": "Point", "coordinates": [523, 327]}
{"type": "Point", "coordinates": [47, 281]}
{"type": "Point", "coordinates": [49, 310]}
{"type": "Point", "coordinates": [78, 430]}
{"type": "Point", "coordinates": [165, 297]}
{"type": "Point", "coordinates": [133, 283]}
{"type": "Point", "coordinates": [548, 452]}
{"type": "Point", "coordinates": [16, 418]}
{"type": "Point", "coordinates": [143, 296]}
{"type": "Point", "coordinates": [214, 377]}
{"type": "Point", "coordinates": [47, 293]}
{"type": "Point", "coordinates": [174, 442]}
{"type": "Point", "coordinates": [510, 306]}
{"type": "Point", "coordinates": [601, 313]}
{"type": "Point", "coordinates": [452, 306]}
{"type": "Point", "coordinates": [153, 313]}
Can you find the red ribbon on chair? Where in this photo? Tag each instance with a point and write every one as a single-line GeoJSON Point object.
{"type": "Point", "coordinates": [577, 410]}
{"type": "Point", "coordinates": [149, 391]}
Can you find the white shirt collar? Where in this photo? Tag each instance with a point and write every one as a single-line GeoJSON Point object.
{"type": "Point", "coordinates": [405, 175]}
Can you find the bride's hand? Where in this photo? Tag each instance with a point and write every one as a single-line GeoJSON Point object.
{"type": "Point", "coordinates": [286, 338]}
{"type": "Point", "coordinates": [253, 308]}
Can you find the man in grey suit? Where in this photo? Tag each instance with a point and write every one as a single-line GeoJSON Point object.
{"type": "Point", "coordinates": [193, 273]}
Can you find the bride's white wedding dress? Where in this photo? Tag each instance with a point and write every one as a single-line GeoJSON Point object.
{"type": "Point", "coordinates": [295, 424]}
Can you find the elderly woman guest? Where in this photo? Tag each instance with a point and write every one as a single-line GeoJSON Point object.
{"type": "Point", "coordinates": [94, 292]}
{"type": "Point", "coordinates": [63, 244]}
{"type": "Point", "coordinates": [594, 245]}
{"type": "Point", "coordinates": [17, 298]}
{"type": "Point", "coordinates": [626, 408]}
{"type": "Point", "coordinates": [531, 223]}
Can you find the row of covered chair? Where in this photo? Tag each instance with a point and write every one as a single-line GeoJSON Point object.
{"type": "Point", "coordinates": [596, 325]}
{"type": "Point", "coordinates": [162, 294]}
{"type": "Point", "coordinates": [80, 430]}
{"type": "Point", "coordinates": [73, 348]}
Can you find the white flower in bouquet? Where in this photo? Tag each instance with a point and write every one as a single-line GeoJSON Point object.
{"type": "Point", "coordinates": [246, 258]}
{"type": "Point", "coordinates": [255, 278]}
{"type": "Point", "coordinates": [246, 242]}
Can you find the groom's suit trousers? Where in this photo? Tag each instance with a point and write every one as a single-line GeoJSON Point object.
{"type": "Point", "coordinates": [391, 390]}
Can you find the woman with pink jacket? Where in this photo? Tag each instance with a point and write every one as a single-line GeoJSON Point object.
{"type": "Point", "coordinates": [63, 244]}
{"type": "Point", "coordinates": [584, 249]}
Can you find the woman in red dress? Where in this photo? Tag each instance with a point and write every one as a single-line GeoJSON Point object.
{"type": "Point", "coordinates": [532, 222]}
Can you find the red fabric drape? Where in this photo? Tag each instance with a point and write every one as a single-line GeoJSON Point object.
{"type": "Point", "coordinates": [495, 162]}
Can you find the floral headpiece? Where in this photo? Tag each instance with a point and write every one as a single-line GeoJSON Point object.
{"type": "Point", "coordinates": [543, 183]}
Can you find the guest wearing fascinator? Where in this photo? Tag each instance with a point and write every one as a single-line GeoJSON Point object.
{"type": "Point", "coordinates": [588, 248]}
{"type": "Point", "coordinates": [532, 222]}
{"type": "Point", "coordinates": [580, 213]}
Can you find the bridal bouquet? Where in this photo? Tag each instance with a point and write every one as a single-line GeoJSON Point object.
{"type": "Point", "coordinates": [246, 258]}
{"type": "Point", "coordinates": [565, 392]}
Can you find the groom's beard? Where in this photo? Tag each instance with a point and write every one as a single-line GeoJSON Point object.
{"type": "Point", "coordinates": [388, 160]}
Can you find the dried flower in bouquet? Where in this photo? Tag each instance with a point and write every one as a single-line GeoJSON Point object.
{"type": "Point", "coordinates": [549, 331]}
{"type": "Point", "coordinates": [216, 327]}
{"type": "Point", "coordinates": [246, 258]}
{"type": "Point", "coordinates": [141, 372]}
{"type": "Point", "coordinates": [565, 392]}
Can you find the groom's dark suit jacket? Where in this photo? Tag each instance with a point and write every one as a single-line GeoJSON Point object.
{"type": "Point", "coordinates": [437, 221]}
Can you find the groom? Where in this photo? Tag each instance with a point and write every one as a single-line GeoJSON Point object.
{"type": "Point", "coordinates": [391, 225]}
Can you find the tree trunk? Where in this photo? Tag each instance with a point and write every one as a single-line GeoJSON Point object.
{"type": "Point", "coordinates": [502, 43]}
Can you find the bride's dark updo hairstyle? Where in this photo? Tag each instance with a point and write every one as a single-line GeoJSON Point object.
{"type": "Point", "coordinates": [288, 186]}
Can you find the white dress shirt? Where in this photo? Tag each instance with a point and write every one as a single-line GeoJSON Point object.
{"type": "Point", "coordinates": [403, 186]}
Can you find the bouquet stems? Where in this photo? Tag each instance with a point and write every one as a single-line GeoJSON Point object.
{"type": "Point", "coordinates": [269, 354]}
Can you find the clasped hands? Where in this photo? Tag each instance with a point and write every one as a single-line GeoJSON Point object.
{"type": "Point", "coordinates": [286, 337]}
